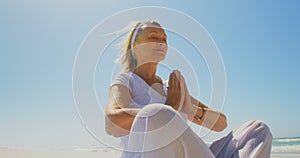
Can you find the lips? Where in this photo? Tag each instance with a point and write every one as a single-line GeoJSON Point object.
{"type": "Point", "coordinates": [159, 51]}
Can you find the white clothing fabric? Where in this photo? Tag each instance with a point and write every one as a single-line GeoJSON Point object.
{"type": "Point", "coordinates": [160, 131]}
{"type": "Point", "coordinates": [142, 93]}
{"type": "Point", "coordinates": [252, 139]}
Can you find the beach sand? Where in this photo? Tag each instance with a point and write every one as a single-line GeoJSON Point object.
{"type": "Point", "coordinates": [46, 153]}
{"type": "Point", "coordinates": [287, 155]}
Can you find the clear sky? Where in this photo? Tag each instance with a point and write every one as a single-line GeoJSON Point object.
{"type": "Point", "coordinates": [258, 41]}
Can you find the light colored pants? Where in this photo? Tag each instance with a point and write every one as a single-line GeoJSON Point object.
{"type": "Point", "coordinates": [159, 131]}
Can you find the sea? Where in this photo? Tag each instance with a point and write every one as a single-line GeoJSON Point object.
{"type": "Point", "coordinates": [281, 147]}
{"type": "Point", "coordinates": [288, 145]}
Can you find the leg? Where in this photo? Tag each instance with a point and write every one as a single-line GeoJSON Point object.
{"type": "Point", "coordinates": [160, 131]}
{"type": "Point", "coordinates": [252, 139]}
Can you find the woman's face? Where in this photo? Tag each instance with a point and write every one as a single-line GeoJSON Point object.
{"type": "Point", "coordinates": [151, 45]}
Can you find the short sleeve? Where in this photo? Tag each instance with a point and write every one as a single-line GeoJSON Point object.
{"type": "Point", "coordinates": [124, 79]}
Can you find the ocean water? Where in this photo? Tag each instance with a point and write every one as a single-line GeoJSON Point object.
{"type": "Point", "coordinates": [286, 144]}
{"type": "Point", "coordinates": [279, 145]}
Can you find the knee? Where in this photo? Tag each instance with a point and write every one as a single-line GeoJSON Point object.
{"type": "Point", "coordinates": [152, 110]}
{"type": "Point", "coordinates": [264, 129]}
{"type": "Point", "coordinates": [159, 115]}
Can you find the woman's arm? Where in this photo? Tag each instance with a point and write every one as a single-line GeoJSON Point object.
{"type": "Point", "coordinates": [211, 119]}
{"type": "Point", "coordinates": [199, 113]}
{"type": "Point", "coordinates": [119, 118]}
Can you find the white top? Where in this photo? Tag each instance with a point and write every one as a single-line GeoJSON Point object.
{"type": "Point", "coordinates": [142, 93]}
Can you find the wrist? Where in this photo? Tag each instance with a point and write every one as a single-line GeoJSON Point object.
{"type": "Point", "coordinates": [174, 106]}
{"type": "Point", "coordinates": [199, 113]}
{"type": "Point", "coordinates": [192, 111]}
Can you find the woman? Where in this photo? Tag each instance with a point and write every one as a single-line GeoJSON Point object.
{"type": "Point", "coordinates": [150, 115]}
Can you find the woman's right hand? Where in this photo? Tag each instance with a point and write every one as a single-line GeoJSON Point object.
{"type": "Point", "coordinates": [175, 94]}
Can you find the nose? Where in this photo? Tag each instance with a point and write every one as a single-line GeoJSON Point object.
{"type": "Point", "coordinates": [161, 44]}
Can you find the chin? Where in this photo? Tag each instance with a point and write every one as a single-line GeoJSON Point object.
{"type": "Point", "coordinates": [157, 60]}
{"type": "Point", "coordinates": [161, 59]}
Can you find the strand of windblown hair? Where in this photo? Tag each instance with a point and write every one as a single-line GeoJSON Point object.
{"type": "Point", "coordinates": [133, 37]}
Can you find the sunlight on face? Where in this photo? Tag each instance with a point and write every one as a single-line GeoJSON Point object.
{"type": "Point", "coordinates": [151, 45]}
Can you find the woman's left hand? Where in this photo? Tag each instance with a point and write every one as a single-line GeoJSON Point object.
{"type": "Point", "coordinates": [211, 119]}
{"type": "Point", "coordinates": [187, 106]}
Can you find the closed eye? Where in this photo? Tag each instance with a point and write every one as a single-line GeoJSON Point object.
{"type": "Point", "coordinates": [157, 38]}
{"type": "Point", "coordinates": [153, 37]}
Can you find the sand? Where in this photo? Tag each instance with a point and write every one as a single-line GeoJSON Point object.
{"type": "Point", "coordinates": [30, 153]}
{"type": "Point", "coordinates": [46, 153]}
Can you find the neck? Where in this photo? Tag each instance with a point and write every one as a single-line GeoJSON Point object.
{"type": "Point", "coordinates": [147, 71]}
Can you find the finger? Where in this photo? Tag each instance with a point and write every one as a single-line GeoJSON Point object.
{"type": "Point", "coordinates": [183, 89]}
{"type": "Point", "coordinates": [177, 79]}
{"type": "Point", "coordinates": [182, 83]}
{"type": "Point", "coordinates": [172, 79]}
{"type": "Point", "coordinates": [170, 82]}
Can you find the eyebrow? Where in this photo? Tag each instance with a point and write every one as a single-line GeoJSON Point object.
{"type": "Point", "coordinates": [153, 31]}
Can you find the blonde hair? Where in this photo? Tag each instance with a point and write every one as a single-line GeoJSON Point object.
{"type": "Point", "coordinates": [127, 59]}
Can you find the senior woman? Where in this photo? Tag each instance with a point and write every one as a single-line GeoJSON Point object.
{"type": "Point", "coordinates": [150, 114]}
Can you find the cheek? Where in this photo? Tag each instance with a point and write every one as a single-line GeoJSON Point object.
{"type": "Point", "coordinates": [166, 48]}
{"type": "Point", "coordinates": [145, 49]}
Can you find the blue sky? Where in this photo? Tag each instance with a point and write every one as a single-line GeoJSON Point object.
{"type": "Point", "coordinates": [258, 41]}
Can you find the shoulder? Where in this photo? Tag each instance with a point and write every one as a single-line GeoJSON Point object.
{"type": "Point", "coordinates": [123, 79]}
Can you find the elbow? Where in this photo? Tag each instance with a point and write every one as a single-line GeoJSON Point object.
{"type": "Point", "coordinates": [109, 125]}
{"type": "Point", "coordinates": [111, 132]}
{"type": "Point", "coordinates": [221, 124]}
{"type": "Point", "coordinates": [111, 128]}
{"type": "Point", "coordinates": [220, 127]}
{"type": "Point", "coordinates": [108, 129]}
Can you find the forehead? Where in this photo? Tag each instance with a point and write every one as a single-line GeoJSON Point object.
{"type": "Point", "coordinates": [154, 30]}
